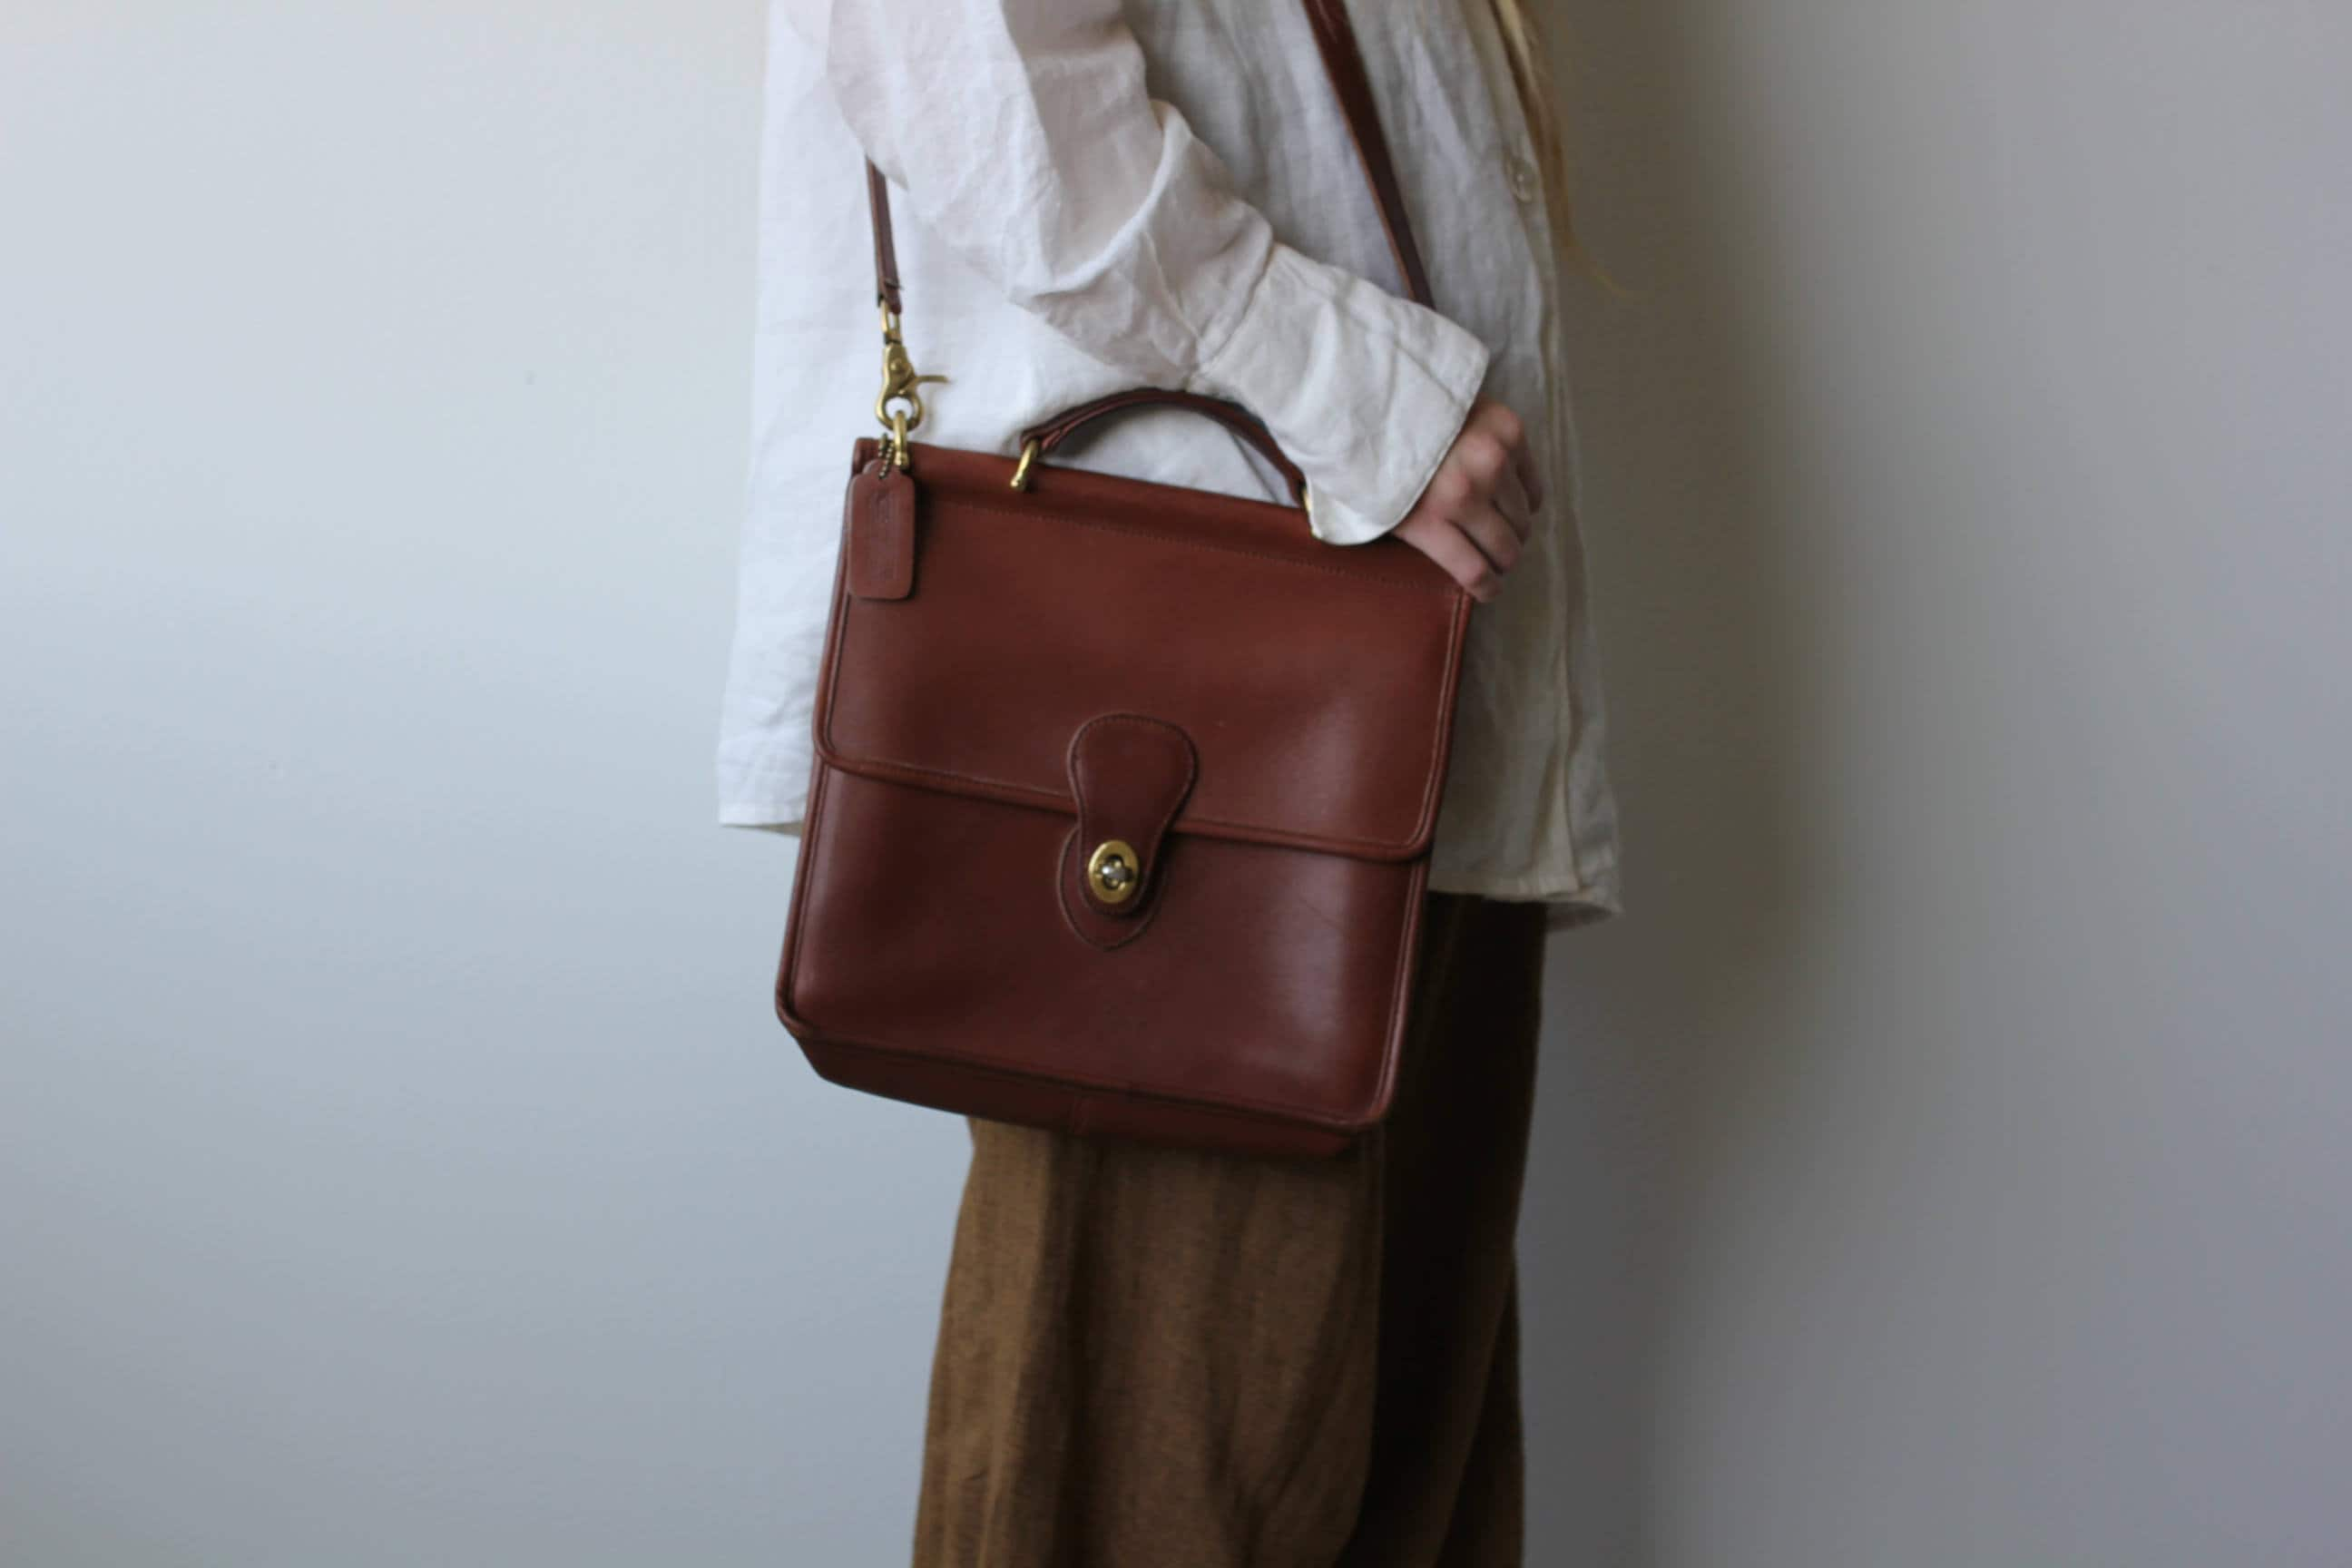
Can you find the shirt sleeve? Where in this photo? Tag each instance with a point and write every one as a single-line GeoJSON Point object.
{"type": "Point", "coordinates": [1023, 136]}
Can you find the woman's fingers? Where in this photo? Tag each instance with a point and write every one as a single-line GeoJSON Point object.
{"type": "Point", "coordinates": [1510, 432]}
{"type": "Point", "coordinates": [1474, 517]}
{"type": "Point", "coordinates": [1528, 474]}
{"type": "Point", "coordinates": [1484, 461]}
{"type": "Point", "coordinates": [1512, 501]}
{"type": "Point", "coordinates": [1495, 536]}
{"type": "Point", "coordinates": [1444, 544]}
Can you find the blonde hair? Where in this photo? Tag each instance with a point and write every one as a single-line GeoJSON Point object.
{"type": "Point", "coordinates": [1523, 45]}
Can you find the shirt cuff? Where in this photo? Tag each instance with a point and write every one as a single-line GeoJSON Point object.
{"type": "Point", "coordinates": [1363, 390]}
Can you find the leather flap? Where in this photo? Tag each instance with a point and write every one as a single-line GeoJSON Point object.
{"type": "Point", "coordinates": [1316, 683]}
{"type": "Point", "coordinates": [1130, 775]}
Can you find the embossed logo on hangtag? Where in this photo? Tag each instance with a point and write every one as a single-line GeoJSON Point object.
{"type": "Point", "coordinates": [881, 534]}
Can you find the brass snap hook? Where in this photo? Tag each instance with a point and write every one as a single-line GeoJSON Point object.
{"type": "Point", "coordinates": [900, 377]}
{"type": "Point", "coordinates": [899, 381]}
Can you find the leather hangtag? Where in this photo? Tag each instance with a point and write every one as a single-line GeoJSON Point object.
{"type": "Point", "coordinates": [881, 533]}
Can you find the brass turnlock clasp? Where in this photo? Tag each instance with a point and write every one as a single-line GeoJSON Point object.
{"type": "Point", "coordinates": [1113, 871]}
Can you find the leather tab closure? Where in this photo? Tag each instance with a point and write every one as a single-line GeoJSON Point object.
{"type": "Point", "coordinates": [881, 544]}
{"type": "Point", "coordinates": [1131, 775]}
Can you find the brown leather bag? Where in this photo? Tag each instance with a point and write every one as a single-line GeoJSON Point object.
{"type": "Point", "coordinates": [1123, 794]}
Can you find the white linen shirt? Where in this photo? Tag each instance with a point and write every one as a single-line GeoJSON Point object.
{"type": "Point", "coordinates": [1091, 197]}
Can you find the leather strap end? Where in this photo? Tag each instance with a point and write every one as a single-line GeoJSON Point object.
{"type": "Point", "coordinates": [886, 248]}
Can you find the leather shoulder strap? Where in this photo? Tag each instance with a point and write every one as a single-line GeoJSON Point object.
{"type": "Point", "coordinates": [1334, 38]}
{"type": "Point", "coordinates": [1344, 63]}
{"type": "Point", "coordinates": [885, 250]}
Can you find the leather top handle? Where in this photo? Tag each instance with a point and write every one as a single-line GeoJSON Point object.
{"type": "Point", "coordinates": [1040, 439]}
{"type": "Point", "coordinates": [1335, 40]}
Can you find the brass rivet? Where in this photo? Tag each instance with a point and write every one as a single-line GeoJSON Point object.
{"type": "Point", "coordinates": [1113, 871]}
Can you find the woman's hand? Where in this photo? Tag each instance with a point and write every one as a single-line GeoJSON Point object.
{"type": "Point", "coordinates": [1475, 516]}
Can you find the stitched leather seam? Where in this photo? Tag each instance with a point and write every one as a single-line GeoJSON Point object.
{"type": "Point", "coordinates": [1416, 931]}
{"type": "Point", "coordinates": [1018, 795]}
{"type": "Point", "coordinates": [1341, 1122]}
{"type": "Point", "coordinates": [1178, 537]}
{"type": "Point", "coordinates": [1413, 844]}
{"type": "Point", "coordinates": [1349, 1122]}
{"type": "Point", "coordinates": [1246, 1112]}
{"type": "Point", "coordinates": [1049, 512]}
{"type": "Point", "coordinates": [813, 848]}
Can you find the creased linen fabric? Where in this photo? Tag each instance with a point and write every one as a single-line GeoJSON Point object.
{"type": "Point", "coordinates": [1092, 197]}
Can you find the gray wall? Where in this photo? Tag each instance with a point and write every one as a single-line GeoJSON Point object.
{"type": "Point", "coordinates": [1945, 1164]}
{"type": "Point", "coordinates": [1942, 1166]}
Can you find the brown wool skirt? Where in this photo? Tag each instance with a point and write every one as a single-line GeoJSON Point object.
{"type": "Point", "coordinates": [1150, 1358]}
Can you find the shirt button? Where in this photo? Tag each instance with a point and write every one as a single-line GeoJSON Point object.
{"type": "Point", "coordinates": [1524, 185]}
